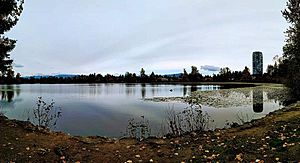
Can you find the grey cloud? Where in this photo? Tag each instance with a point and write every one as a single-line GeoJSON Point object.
{"type": "Point", "coordinates": [210, 68]}
{"type": "Point", "coordinates": [17, 65]}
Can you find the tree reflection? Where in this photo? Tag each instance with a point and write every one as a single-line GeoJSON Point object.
{"type": "Point", "coordinates": [193, 88]}
{"type": "Point", "coordinates": [130, 90]}
{"type": "Point", "coordinates": [184, 90]}
{"type": "Point", "coordinates": [143, 90]}
{"type": "Point", "coordinates": [8, 92]}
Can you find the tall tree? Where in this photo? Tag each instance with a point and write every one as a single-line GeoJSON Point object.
{"type": "Point", "coordinates": [10, 11]}
{"type": "Point", "coordinates": [246, 74]}
{"type": "Point", "coordinates": [185, 76]}
{"type": "Point", "coordinates": [291, 51]}
{"type": "Point", "coordinates": [142, 73]}
{"type": "Point", "coordinates": [195, 75]}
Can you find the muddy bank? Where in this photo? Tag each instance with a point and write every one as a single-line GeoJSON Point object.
{"type": "Point", "coordinates": [275, 138]}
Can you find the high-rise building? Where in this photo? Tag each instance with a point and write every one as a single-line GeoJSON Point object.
{"type": "Point", "coordinates": [257, 63]}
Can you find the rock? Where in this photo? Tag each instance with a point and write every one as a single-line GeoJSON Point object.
{"type": "Point", "coordinates": [151, 160]}
{"type": "Point", "coordinates": [27, 148]}
{"type": "Point", "coordinates": [129, 161]}
{"type": "Point", "coordinates": [42, 151]}
{"type": "Point", "coordinates": [239, 157]}
{"type": "Point", "coordinates": [58, 151]}
{"type": "Point", "coordinates": [137, 156]}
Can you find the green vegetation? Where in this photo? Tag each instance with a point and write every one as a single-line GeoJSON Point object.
{"type": "Point", "coordinates": [10, 10]}
{"type": "Point", "coordinates": [292, 47]}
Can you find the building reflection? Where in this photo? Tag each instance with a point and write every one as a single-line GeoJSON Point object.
{"type": "Point", "coordinates": [258, 100]}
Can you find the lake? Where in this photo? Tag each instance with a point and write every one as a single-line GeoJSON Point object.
{"type": "Point", "coordinates": [105, 109]}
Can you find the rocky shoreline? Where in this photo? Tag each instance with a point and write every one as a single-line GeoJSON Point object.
{"type": "Point", "coordinates": [274, 138]}
{"type": "Point", "coordinates": [229, 97]}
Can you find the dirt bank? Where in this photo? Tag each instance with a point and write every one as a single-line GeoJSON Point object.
{"type": "Point", "coordinates": [275, 138]}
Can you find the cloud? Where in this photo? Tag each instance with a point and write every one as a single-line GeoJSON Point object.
{"type": "Point", "coordinates": [210, 68]}
{"type": "Point", "coordinates": [17, 65]}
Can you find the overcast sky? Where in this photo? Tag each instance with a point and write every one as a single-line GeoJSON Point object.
{"type": "Point", "coordinates": [164, 36]}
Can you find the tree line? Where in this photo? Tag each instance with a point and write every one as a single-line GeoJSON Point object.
{"type": "Point", "coordinates": [224, 75]}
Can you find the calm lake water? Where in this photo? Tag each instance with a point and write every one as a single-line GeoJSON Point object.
{"type": "Point", "coordinates": [104, 109]}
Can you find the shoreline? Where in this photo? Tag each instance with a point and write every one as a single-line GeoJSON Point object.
{"type": "Point", "coordinates": [276, 137]}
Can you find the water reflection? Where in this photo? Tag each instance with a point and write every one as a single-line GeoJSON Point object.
{"type": "Point", "coordinates": [193, 88]}
{"type": "Point", "coordinates": [258, 100]}
{"type": "Point", "coordinates": [130, 89]}
{"type": "Point", "coordinates": [104, 109]}
{"type": "Point", "coordinates": [143, 90]}
{"type": "Point", "coordinates": [184, 90]}
{"type": "Point", "coordinates": [7, 93]}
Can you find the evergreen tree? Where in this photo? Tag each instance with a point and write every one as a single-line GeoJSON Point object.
{"type": "Point", "coordinates": [291, 51]}
{"type": "Point", "coordinates": [185, 76]}
{"type": "Point", "coordinates": [10, 11]}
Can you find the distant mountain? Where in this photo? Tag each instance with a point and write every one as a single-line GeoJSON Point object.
{"type": "Point", "coordinates": [176, 75]}
{"type": "Point", "coordinates": [46, 76]}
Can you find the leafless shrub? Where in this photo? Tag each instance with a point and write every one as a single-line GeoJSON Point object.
{"type": "Point", "coordinates": [138, 129]}
{"type": "Point", "coordinates": [45, 115]}
{"type": "Point", "coordinates": [190, 119]}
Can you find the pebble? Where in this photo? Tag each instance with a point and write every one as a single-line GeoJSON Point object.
{"type": "Point", "coordinates": [207, 151]}
{"type": "Point", "coordinates": [176, 154]}
{"type": "Point", "coordinates": [137, 156]}
{"type": "Point", "coordinates": [27, 148]}
{"type": "Point", "coordinates": [277, 159]}
{"type": "Point", "coordinates": [129, 161]}
{"type": "Point", "coordinates": [83, 149]}
{"type": "Point", "coordinates": [151, 160]}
